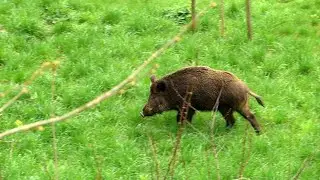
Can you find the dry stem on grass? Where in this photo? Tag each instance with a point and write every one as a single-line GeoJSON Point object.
{"type": "Point", "coordinates": [11, 150]}
{"type": "Point", "coordinates": [183, 116]}
{"type": "Point", "coordinates": [52, 109]}
{"type": "Point", "coordinates": [222, 22]}
{"type": "Point", "coordinates": [248, 18]}
{"type": "Point", "coordinates": [24, 90]}
{"type": "Point", "coordinates": [302, 167]}
{"type": "Point", "coordinates": [246, 151]}
{"type": "Point", "coordinates": [208, 164]}
{"type": "Point", "coordinates": [187, 104]}
{"type": "Point", "coordinates": [107, 94]}
{"type": "Point", "coordinates": [155, 157]}
{"type": "Point", "coordinates": [193, 15]}
{"type": "Point", "coordinates": [213, 122]}
{"type": "Point", "coordinates": [98, 163]}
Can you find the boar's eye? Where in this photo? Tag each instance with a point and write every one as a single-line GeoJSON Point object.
{"type": "Point", "coordinates": [161, 86]}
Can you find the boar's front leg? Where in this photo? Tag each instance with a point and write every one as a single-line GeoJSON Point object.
{"type": "Point", "coordinates": [189, 116]}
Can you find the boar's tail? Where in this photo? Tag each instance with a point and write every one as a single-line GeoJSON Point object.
{"type": "Point", "coordinates": [258, 98]}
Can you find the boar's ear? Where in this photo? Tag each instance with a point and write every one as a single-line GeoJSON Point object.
{"type": "Point", "coordinates": [153, 78]}
{"type": "Point", "coordinates": [161, 86]}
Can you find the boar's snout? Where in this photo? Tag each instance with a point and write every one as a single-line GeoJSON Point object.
{"type": "Point", "coordinates": [147, 111]}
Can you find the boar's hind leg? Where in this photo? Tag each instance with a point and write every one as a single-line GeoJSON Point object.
{"type": "Point", "coordinates": [189, 115]}
{"type": "Point", "coordinates": [246, 113]}
{"type": "Point", "coordinates": [227, 113]}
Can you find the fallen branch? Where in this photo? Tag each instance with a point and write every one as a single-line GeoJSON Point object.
{"type": "Point", "coordinates": [107, 94]}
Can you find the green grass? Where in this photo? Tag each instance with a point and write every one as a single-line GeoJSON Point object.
{"type": "Point", "coordinates": [99, 43]}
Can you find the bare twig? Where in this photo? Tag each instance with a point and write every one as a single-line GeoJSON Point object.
{"type": "Point", "coordinates": [99, 162]}
{"type": "Point", "coordinates": [208, 164]}
{"type": "Point", "coordinates": [245, 158]}
{"type": "Point", "coordinates": [302, 167]}
{"type": "Point", "coordinates": [5, 93]}
{"type": "Point", "coordinates": [24, 89]}
{"type": "Point", "coordinates": [222, 19]}
{"type": "Point", "coordinates": [190, 106]}
{"type": "Point", "coordinates": [182, 120]}
{"type": "Point", "coordinates": [185, 169]}
{"type": "Point", "coordinates": [248, 18]}
{"type": "Point", "coordinates": [214, 147]}
{"type": "Point", "coordinates": [14, 99]}
{"type": "Point", "coordinates": [11, 150]}
{"type": "Point", "coordinates": [154, 155]}
{"type": "Point", "coordinates": [105, 95]}
{"type": "Point", "coordinates": [179, 95]}
{"type": "Point", "coordinates": [193, 15]}
{"type": "Point", "coordinates": [211, 141]}
{"type": "Point", "coordinates": [54, 138]}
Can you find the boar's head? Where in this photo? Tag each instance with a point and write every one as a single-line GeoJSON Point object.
{"type": "Point", "coordinates": [159, 99]}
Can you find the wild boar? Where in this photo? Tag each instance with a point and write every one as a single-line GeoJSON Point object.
{"type": "Point", "coordinates": [167, 94]}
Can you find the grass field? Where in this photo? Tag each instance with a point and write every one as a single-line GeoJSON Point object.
{"type": "Point", "coordinates": [99, 43]}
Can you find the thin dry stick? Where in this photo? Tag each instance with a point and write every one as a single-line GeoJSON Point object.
{"type": "Point", "coordinates": [248, 150]}
{"type": "Point", "coordinates": [243, 158]}
{"type": "Point", "coordinates": [248, 15]}
{"type": "Point", "coordinates": [185, 169]}
{"type": "Point", "coordinates": [54, 138]}
{"type": "Point", "coordinates": [208, 165]}
{"type": "Point", "coordinates": [99, 171]}
{"type": "Point", "coordinates": [182, 120]}
{"type": "Point", "coordinates": [5, 93]}
{"type": "Point", "coordinates": [190, 106]}
{"type": "Point", "coordinates": [171, 165]}
{"type": "Point", "coordinates": [214, 147]}
{"type": "Point", "coordinates": [179, 95]}
{"type": "Point", "coordinates": [222, 22]}
{"type": "Point", "coordinates": [302, 167]}
{"type": "Point", "coordinates": [99, 161]}
{"type": "Point", "coordinates": [24, 89]}
{"type": "Point", "coordinates": [193, 15]}
{"type": "Point", "coordinates": [14, 99]}
{"type": "Point", "coordinates": [107, 94]}
{"type": "Point", "coordinates": [211, 141]}
{"type": "Point", "coordinates": [154, 155]}
{"type": "Point", "coordinates": [11, 150]}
